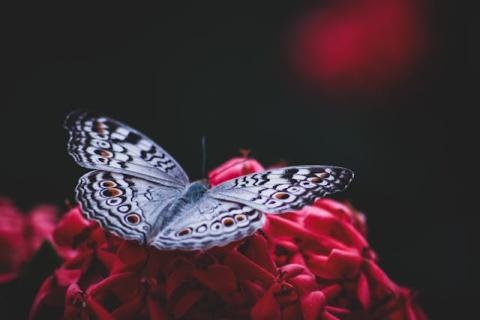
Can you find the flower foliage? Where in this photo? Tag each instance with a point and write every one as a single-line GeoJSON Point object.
{"type": "Point", "coordinates": [310, 264]}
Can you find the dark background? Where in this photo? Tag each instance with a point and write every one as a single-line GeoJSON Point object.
{"type": "Point", "coordinates": [178, 72]}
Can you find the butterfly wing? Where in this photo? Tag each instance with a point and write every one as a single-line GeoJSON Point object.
{"type": "Point", "coordinates": [124, 205]}
{"type": "Point", "coordinates": [103, 143]}
{"type": "Point", "coordinates": [208, 223]}
{"type": "Point", "coordinates": [233, 210]}
{"type": "Point", "coordinates": [284, 189]}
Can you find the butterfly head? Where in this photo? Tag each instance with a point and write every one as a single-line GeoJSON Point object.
{"type": "Point", "coordinates": [196, 189]}
{"type": "Point", "coordinates": [205, 182]}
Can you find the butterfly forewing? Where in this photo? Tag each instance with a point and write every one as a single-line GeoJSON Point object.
{"type": "Point", "coordinates": [102, 143]}
{"type": "Point", "coordinates": [284, 189]}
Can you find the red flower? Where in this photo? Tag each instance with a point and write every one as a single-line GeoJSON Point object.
{"type": "Point", "coordinates": [21, 235]}
{"type": "Point", "coordinates": [311, 264]}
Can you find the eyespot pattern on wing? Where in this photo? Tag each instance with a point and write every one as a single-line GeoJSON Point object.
{"type": "Point", "coordinates": [284, 189]}
{"type": "Point", "coordinates": [210, 223]}
{"type": "Point", "coordinates": [124, 205]}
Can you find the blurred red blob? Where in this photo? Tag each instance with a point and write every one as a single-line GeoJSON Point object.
{"type": "Point", "coordinates": [314, 263]}
{"type": "Point", "coordinates": [12, 248]}
{"type": "Point", "coordinates": [360, 47]}
{"type": "Point", "coordinates": [21, 235]}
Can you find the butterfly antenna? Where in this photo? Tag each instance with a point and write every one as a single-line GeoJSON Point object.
{"type": "Point", "coordinates": [204, 157]}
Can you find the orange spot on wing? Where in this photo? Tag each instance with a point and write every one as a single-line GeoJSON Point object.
{"type": "Point", "coordinates": [99, 128]}
{"type": "Point", "coordinates": [133, 218]}
{"type": "Point", "coordinates": [228, 222]}
{"type": "Point", "coordinates": [281, 195]}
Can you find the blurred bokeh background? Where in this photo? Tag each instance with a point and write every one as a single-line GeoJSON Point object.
{"type": "Point", "coordinates": [379, 86]}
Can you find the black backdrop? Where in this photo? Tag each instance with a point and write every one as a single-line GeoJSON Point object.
{"type": "Point", "coordinates": [176, 73]}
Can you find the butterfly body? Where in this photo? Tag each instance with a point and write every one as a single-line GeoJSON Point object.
{"type": "Point", "coordinates": [139, 192]}
{"type": "Point", "coordinates": [185, 202]}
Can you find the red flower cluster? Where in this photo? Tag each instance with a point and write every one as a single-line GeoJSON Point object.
{"type": "Point", "coordinates": [311, 264]}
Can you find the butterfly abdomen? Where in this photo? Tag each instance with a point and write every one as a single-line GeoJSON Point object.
{"type": "Point", "coordinates": [188, 199]}
{"type": "Point", "coordinates": [192, 193]}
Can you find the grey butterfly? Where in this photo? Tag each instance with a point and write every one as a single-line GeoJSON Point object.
{"type": "Point", "coordinates": [139, 192]}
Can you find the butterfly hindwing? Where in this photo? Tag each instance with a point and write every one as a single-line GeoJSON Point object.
{"type": "Point", "coordinates": [284, 189]}
{"type": "Point", "coordinates": [102, 143]}
{"type": "Point", "coordinates": [124, 205]}
{"type": "Point", "coordinates": [210, 222]}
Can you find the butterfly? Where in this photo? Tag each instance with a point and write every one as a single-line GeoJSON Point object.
{"type": "Point", "coordinates": [137, 191]}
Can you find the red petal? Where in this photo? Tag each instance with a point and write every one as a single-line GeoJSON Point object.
{"type": "Point", "coordinates": [245, 268]}
{"type": "Point", "coordinates": [65, 277]}
{"type": "Point", "coordinates": [108, 259]}
{"type": "Point", "coordinates": [41, 223]}
{"type": "Point", "coordinates": [217, 277]}
{"type": "Point", "coordinates": [380, 285]}
{"type": "Point", "coordinates": [75, 303]}
{"type": "Point", "coordinates": [298, 258]}
{"type": "Point", "coordinates": [233, 168]}
{"type": "Point", "coordinates": [328, 316]}
{"type": "Point", "coordinates": [185, 302]}
{"type": "Point", "coordinates": [292, 270]}
{"type": "Point", "coordinates": [130, 308]}
{"type": "Point", "coordinates": [130, 257]}
{"type": "Point", "coordinates": [267, 308]}
{"type": "Point", "coordinates": [96, 237]}
{"type": "Point", "coordinates": [344, 212]}
{"type": "Point", "coordinates": [176, 262]}
{"type": "Point", "coordinates": [177, 279]}
{"type": "Point", "coordinates": [111, 282]}
{"type": "Point", "coordinates": [401, 307]}
{"type": "Point", "coordinates": [313, 304]}
{"type": "Point", "coordinates": [284, 293]}
{"type": "Point", "coordinates": [332, 291]}
{"type": "Point", "coordinates": [412, 310]}
{"type": "Point", "coordinates": [337, 310]}
{"type": "Point", "coordinates": [7, 277]}
{"type": "Point", "coordinates": [13, 247]}
{"type": "Point", "coordinates": [72, 229]}
{"type": "Point", "coordinates": [300, 277]}
{"type": "Point", "coordinates": [339, 264]}
{"type": "Point", "coordinates": [257, 251]}
{"type": "Point", "coordinates": [157, 261]}
{"type": "Point", "coordinates": [323, 222]}
{"type": "Point", "coordinates": [252, 291]}
{"type": "Point", "coordinates": [363, 292]}
{"type": "Point", "coordinates": [292, 312]}
{"type": "Point", "coordinates": [156, 311]}
{"type": "Point", "coordinates": [98, 310]}
{"type": "Point", "coordinates": [280, 226]}
{"type": "Point", "coordinates": [304, 283]}
{"type": "Point", "coordinates": [42, 293]}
